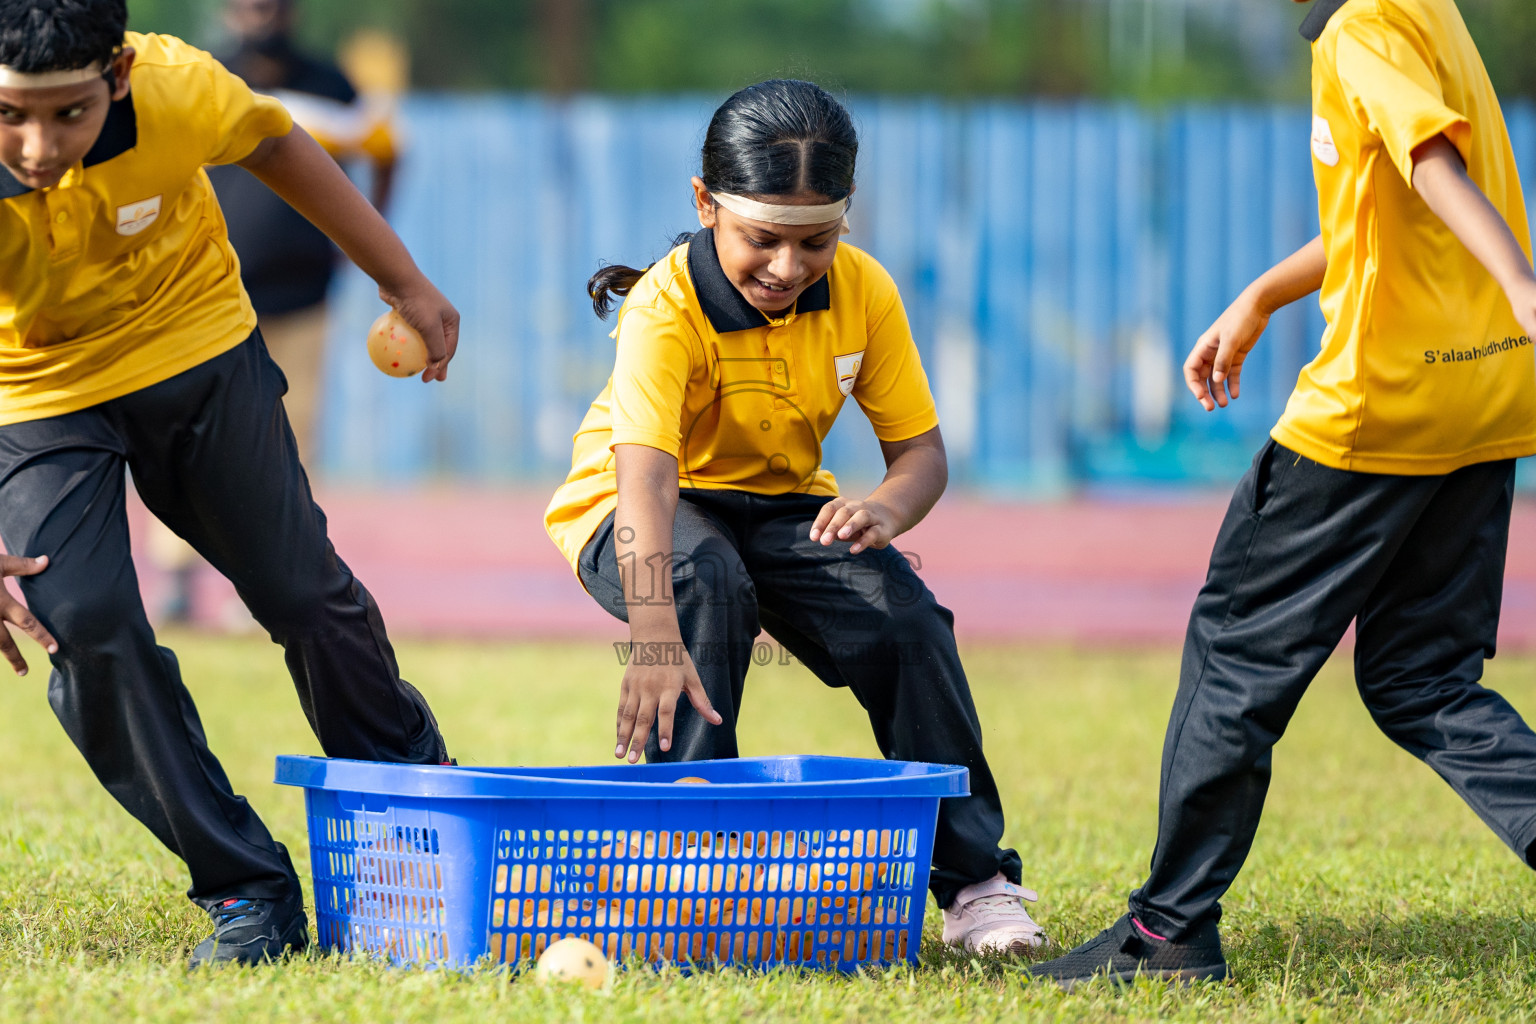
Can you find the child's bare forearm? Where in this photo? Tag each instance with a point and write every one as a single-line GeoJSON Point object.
{"type": "Point", "coordinates": [1295, 277]}
{"type": "Point", "coordinates": [917, 471]}
{"type": "Point", "coordinates": [304, 175]}
{"type": "Point", "coordinates": [642, 537]}
{"type": "Point", "coordinates": [1440, 178]}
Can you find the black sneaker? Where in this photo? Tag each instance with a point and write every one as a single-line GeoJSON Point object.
{"type": "Point", "coordinates": [1128, 951]}
{"type": "Point", "coordinates": [251, 931]}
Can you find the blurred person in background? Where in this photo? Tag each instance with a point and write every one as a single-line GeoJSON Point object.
{"type": "Point", "coordinates": [286, 263]}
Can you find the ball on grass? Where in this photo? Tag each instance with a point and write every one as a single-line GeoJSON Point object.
{"type": "Point", "coordinates": [573, 960]}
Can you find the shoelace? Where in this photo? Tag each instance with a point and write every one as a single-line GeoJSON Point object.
{"type": "Point", "coordinates": [231, 910]}
{"type": "Point", "coordinates": [993, 906]}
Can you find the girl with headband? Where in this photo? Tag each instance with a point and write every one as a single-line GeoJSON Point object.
{"type": "Point", "coordinates": [697, 509]}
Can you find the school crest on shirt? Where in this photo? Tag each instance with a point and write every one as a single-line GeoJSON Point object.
{"type": "Point", "coordinates": [135, 217]}
{"type": "Point", "coordinates": [848, 371]}
{"type": "Point", "coordinates": [1322, 142]}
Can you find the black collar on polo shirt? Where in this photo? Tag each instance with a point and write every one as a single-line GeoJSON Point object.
{"type": "Point", "coordinates": [1318, 16]}
{"type": "Point", "coordinates": [10, 188]}
{"type": "Point", "coordinates": [728, 310]}
{"type": "Point", "coordinates": [119, 134]}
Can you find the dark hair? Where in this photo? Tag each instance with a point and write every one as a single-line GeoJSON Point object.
{"type": "Point", "coordinates": [60, 35]}
{"type": "Point", "coordinates": [775, 138]}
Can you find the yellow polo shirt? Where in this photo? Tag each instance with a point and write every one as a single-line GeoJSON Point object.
{"type": "Point", "coordinates": [1423, 367]}
{"type": "Point", "coordinates": [122, 275]}
{"type": "Point", "coordinates": [743, 402]}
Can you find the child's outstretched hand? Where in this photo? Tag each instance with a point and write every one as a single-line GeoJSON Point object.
{"type": "Point", "coordinates": [657, 674]}
{"type": "Point", "coordinates": [434, 317]}
{"type": "Point", "coordinates": [1214, 369]}
{"type": "Point", "coordinates": [868, 524]}
{"type": "Point", "coordinates": [16, 613]}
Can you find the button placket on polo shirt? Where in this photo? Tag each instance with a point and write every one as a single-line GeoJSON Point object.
{"type": "Point", "coordinates": [779, 343]}
{"type": "Point", "coordinates": [782, 341]}
{"type": "Point", "coordinates": [66, 217]}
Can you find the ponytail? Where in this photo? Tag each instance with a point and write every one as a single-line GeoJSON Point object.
{"type": "Point", "coordinates": [617, 280]}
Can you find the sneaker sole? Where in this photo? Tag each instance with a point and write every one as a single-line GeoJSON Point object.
{"type": "Point", "coordinates": [1023, 947]}
{"type": "Point", "coordinates": [1185, 976]}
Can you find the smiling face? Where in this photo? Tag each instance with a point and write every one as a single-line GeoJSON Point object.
{"type": "Point", "coordinates": [770, 264]}
{"type": "Point", "coordinates": [45, 132]}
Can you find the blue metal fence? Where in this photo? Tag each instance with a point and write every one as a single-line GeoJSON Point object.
{"type": "Point", "coordinates": [1057, 262]}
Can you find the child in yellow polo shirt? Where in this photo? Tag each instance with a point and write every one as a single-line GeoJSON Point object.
{"type": "Point", "coordinates": [127, 340]}
{"type": "Point", "coordinates": [1384, 495]}
{"type": "Point", "coordinates": [698, 511]}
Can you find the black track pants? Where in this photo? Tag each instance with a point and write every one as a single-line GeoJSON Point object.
{"type": "Point", "coordinates": [1417, 562]}
{"type": "Point", "coordinates": [212, 456]}
{"type": "Point", "coordinates": [866, 621]}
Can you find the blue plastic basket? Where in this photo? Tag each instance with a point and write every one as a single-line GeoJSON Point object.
{"type": "Point", "coordinates": [812, 861]}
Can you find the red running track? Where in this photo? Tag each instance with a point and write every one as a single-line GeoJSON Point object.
{"type": "Point", "coordinates": [1083, 572]}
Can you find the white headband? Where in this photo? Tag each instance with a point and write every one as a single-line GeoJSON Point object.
{"type": "Point", "coordinates": [10, 78]}
{"type": "Point", "coordinates": [776, 213]}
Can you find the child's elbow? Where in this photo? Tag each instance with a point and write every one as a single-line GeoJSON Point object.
{"type": "Point", "coordinates": [1433, 160]}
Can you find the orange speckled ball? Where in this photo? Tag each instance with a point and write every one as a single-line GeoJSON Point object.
{"type": "Point", "coordinates": [396, 347]}
{"type": "Point", "coordinates": [573, 960]}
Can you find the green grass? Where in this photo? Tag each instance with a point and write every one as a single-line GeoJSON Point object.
{"type": "Point", "coordinates": [1372, 893]}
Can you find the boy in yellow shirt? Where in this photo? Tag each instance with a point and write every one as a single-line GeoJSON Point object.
{"type": "Point", "coordinates": [1384, 495]}
{"type": "Point", "coordinates": [126, 339]}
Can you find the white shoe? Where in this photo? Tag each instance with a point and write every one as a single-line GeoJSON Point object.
{"type": "Point", "coordinates": [989, 917]}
